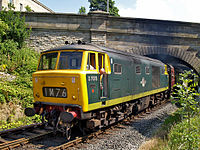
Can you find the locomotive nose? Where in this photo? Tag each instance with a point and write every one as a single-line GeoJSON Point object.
{"type": "Point", "coordinates": [29, 112]}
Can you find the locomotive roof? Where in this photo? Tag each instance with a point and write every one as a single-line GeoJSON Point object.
{"type": "Point", "coordinates": [97, 48]}
{"type": "Point", "coordinates": [86, 47]}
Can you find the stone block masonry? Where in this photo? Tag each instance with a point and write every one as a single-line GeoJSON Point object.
{"type": "Point", "coordinates": [141, 36]}
{"type": "Point", "coordinates": [44, 40]}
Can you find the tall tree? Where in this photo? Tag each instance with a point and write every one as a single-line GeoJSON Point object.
{"type": "Point", "coordinates": [102, 5]}
{"type": "Point", "coordinates": [82, 10]}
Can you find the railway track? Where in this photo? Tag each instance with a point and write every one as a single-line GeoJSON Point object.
{"type": "Point", "coordinates": [13, 138]}
{"type": "Point", "coordinates": [102, 131]}
{"type": "Point", "coordinates": [18, 137]}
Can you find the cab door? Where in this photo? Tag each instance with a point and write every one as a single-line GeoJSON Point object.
{"type": "Point", "coordinates": [92, 78]}
{"type": "Point", "coordinates": [98, 68]}
{"type": "Point", "coordinates": [103, 77]}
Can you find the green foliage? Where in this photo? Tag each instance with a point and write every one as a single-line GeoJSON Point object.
{"type": "Point", "coordinates": [17, 29]}
{"type": "Point", "coordinates": [28, 8]}
{"type": "Point", "coordinates": [21, 64]}
{"type": "Point", "coordinates": [185, 135]}
{"type": "Point", "coordinates": [4, 125]}
{"type": "Point", "coordinates": [102, 5]}
{"type": "Point", "coordinates": [181, 130]}
{"type": "Point", "coordinates": [23, 61]}
{"type": "Point", "coordinates": [3, 29]}
{"type": "Point", "coordinates": [82, 10]}
{"type": "Point", "coordinates": [19, 61]}
{"type": "Point", "coordinates": [186, 94]}
{"type": "Point", "coordinates": [17, 91]}
{"type": "Point", "coordinates": [178, 134]}
{"type": "Point", "coordinates": [112, 9]}
{"type": "Point", "coordinates": [170, 121]}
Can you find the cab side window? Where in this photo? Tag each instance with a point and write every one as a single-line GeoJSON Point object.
{"type": "Point", "coordinates": [101, 58]}
{"type": "Point", "coordinates": [91, 64]}
{"type": "Point", "coordinates": [117, 68]}
{"type": "Point", "coordinates": [138, 70]}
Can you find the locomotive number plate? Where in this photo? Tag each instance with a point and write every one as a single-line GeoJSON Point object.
{"type": "Point", "coordinates": [55, 92]}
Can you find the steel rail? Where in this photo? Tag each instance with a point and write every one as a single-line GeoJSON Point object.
{"type": "Point", "coordinates": [20, 128]}
{"type": "Point", "coordinates": [101, 131]}
{"type": "Point", "coordinates": [76, 141]}
{"type": "Point", "coordinates": [22, 141]}
{"type": "Point", "coordinates": [19, 142]}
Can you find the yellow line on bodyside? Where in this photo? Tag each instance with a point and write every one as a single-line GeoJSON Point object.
{"type": "Point", "coordinates": [123, 99]}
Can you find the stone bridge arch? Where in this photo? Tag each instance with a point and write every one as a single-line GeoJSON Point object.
{"type": "Point", "coordinates": [184, 54]}
{"type": "Point", "coordinates": [178, 40]}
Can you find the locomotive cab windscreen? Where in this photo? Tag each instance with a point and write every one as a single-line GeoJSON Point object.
{"type": "Point", "coordinates": [67, 60]}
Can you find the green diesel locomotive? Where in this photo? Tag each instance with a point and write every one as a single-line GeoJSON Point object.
{"type": "Point", "coordinates": [91, 86]}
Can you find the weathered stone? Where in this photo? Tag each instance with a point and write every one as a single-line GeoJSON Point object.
{"type": "Point", "coordinates": [141, 36]}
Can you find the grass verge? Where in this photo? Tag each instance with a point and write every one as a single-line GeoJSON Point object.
{"type": "Point", "coordinates": [175, 134]}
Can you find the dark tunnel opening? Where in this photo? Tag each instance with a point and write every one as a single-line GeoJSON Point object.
{"type": "Point", "coordinates": [177, 63]}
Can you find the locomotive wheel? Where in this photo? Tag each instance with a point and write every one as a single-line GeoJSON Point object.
{"type": "Point", "coordinates": [135, 110]}
{"type": "Point", "coordinates": [68, 131]}
{"type": "Point", "coordinates": [81, 128]}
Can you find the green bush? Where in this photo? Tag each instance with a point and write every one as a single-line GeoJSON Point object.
{"type": "Point", "coordinates": [186, 94]}
{"type": "Point", "coordinates": [27, 61]}
{"type": "Point", "coordinates": [21, 64]}
{"type": "Point", "coordinates": [23, 61]}
{"type": "Point", "coordinates": [4, 125]}
{"type": "Point", "coordinates": [19, 61]}
{"type": "Point", "coordinates": [185, 135]}
{"type": "Point", "coordinates": [15, 92]}
{"type": "Point", "coordinates": [15, 57]}
{"type": "Point", "coordinates": [171, 121]}
{"type": "Point", "coordinates": [17, 30]}
{"type": "Point", "coordinates": [3, 29]}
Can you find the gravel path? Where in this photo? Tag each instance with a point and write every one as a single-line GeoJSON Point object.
{"type": "Point", "coordinates": [129, 137]}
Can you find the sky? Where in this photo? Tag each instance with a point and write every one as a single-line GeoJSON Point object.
{"type": "Point", "coordinates": [177, 10]}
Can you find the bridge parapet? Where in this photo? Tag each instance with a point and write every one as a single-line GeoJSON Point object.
{"type": "Point", "coordinates": [141, 36]}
